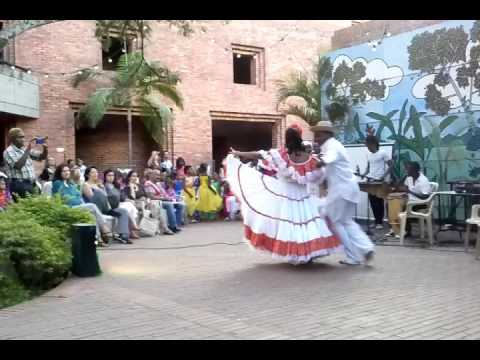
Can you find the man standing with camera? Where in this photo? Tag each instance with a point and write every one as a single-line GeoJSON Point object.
{"type": "Point", "coordinates": [18, 161]}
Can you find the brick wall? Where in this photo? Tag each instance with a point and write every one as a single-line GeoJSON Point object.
{"type": "Point", "coordinates": [107, 145]}
{"type": "Point", "coordinates": [373, 30]}
{"type": "Point", "coordinates": [205, 67]}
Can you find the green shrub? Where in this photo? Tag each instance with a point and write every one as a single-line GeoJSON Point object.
{"type": "Point", "coordinates": [35, 235]}
{"type": "Point", "coordinates": [38, 253]}
{"type": "Point", "coordinates": [11, 290]}
{"type": "Point", "coordinates": [52, 212]}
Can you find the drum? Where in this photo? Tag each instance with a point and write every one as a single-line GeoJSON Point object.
{"type": "Point", "coordinates": [396, 204]}
{"type": "Point", "coordinates": [378, 189]}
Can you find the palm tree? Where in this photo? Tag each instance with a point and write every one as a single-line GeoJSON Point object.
{"type": "Point", "coordinates": [135, 83]}
{"type": "Point", "coordinates": [312, 89]}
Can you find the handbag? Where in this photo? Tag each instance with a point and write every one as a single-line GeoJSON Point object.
{"type": "Point", "coordinates": [148, 225]}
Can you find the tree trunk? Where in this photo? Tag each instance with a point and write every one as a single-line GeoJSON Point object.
{"type": "Point", "coordinates": [130, 138]}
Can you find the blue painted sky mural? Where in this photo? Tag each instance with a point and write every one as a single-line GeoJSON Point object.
{"type": "Point", "coordinates": [431, 107]}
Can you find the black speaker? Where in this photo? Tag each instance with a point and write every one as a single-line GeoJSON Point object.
{"type": "Point", "coordinates": [85, 259]}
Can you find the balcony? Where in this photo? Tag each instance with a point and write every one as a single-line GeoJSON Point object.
{"type": "Point", "coordinates": [19, 92]}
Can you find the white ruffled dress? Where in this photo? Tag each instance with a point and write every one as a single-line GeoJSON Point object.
{"type": "Point", "coordinates": [279, 214]}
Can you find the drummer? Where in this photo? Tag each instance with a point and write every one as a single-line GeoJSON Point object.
{"type": "Point", "coordinates": [379, 167]}
{"type": "Point", "coordinates": [417, 186]}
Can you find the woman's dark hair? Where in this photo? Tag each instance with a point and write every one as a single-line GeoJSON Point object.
{"type": "Point", "coordinates": [293, 141]}
{"type": "Point", "coordinates": [118, 182]}
{"type": "Point", "coordinates": [203, 168]}
{"type": "Point", "coordinates": [180, 160]}
{"type": "Point", "coordinates": [129, 175]}
{"type": "Point", "coordinates": [44, 176]}
{"type": "Point", "coordinates": [372, 139]}
{"type": "Point", "coordinates": [115, 177]}
{"type": "Point", "coordinates": [58, 172]}
{"type": "Point", "coordinates": [87, 172]}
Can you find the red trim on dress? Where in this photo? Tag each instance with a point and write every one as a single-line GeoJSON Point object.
{"type": "Point", "coordinates": [301, 168]}
{"type": "Point", "coordinates": [290, 248]}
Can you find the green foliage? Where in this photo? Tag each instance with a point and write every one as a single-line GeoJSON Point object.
{"type": "Point", "coordinates": [39, 254]}
{"type": "Point", "coordinates": [44, 210]}
{"type": "Point", "coordinates": [136, 82]}
{"type": "Point", "coordinates": [84, 75]}
{"type": "Point", "coordinates": [35, 239]}
{"type": "Point", "coordinates": [11, 290]}
{"type": "Point", "coordinates": [309, 87]}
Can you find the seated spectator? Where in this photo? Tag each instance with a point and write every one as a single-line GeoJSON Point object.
{"type": "Point", "coordinates": [76, 177]}
{"type": "Point", "coordinates": [117, 200]}
{"type": "Point", "coordinates": [189, 193]}
{"type": "Point", "coordinates": [231, 204]}
{"type": "Point", "coordinates": [48, 171]}
{"type": "Point", "coordinates": [94, 192]}
{"type": "Point", "coordinates": [134, 191]}
{"type": "Point", "coordinates": [209, 200]}
{"type": "Point", "coordinates": [154, 160]}
{"type": "Point", "coordinates": [216, 183]}
{"type": "Point", "coordinates": [73, 198]}
{"type": "Point", "coordinates": [176, 199]}
{"type": "Point", "coordinates": [5, 196]}
{"type": "Point", "coordinates": [165, 163]}
{"type": "Point", "coordinates": [157, 209]}
{"type": "Point", "coordinates": [156, 192]}
{"type": "Point", "coordinates": [70, 163]}
{"type": "Point", "coordinates": [81, 166]}
{"type": "Point", "coordinates": [180, 168]}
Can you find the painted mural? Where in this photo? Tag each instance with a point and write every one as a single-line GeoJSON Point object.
{"type": "Point", "coordinates": [422, 93]}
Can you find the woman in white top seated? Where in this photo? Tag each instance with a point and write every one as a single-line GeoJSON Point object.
{"type": "Point", "coordinates": [118, 199]}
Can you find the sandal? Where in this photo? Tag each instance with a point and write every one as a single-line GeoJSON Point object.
{"type": "Point", "coordinates": [107, 237]}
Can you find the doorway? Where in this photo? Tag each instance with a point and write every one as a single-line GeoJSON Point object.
{"type": "Point", "coordinates": [241, 135]}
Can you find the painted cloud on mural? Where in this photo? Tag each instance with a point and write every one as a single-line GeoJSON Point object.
{"type": "Point", "coordinates": [376, 69]}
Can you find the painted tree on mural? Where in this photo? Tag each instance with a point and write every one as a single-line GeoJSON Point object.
{"type": "Point", "coordinates": [446, 54]}
{"type": "Point", "coordinates": [350, 86]}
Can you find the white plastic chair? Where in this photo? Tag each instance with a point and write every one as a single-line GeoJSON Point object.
{"type": "Point", "coordinates": [473, 220]}
{"type": "Point", "coordinates": [424, 217]}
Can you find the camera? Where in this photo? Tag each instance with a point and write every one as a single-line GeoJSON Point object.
{"type": "Point", "coordinates": [40, 140]}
